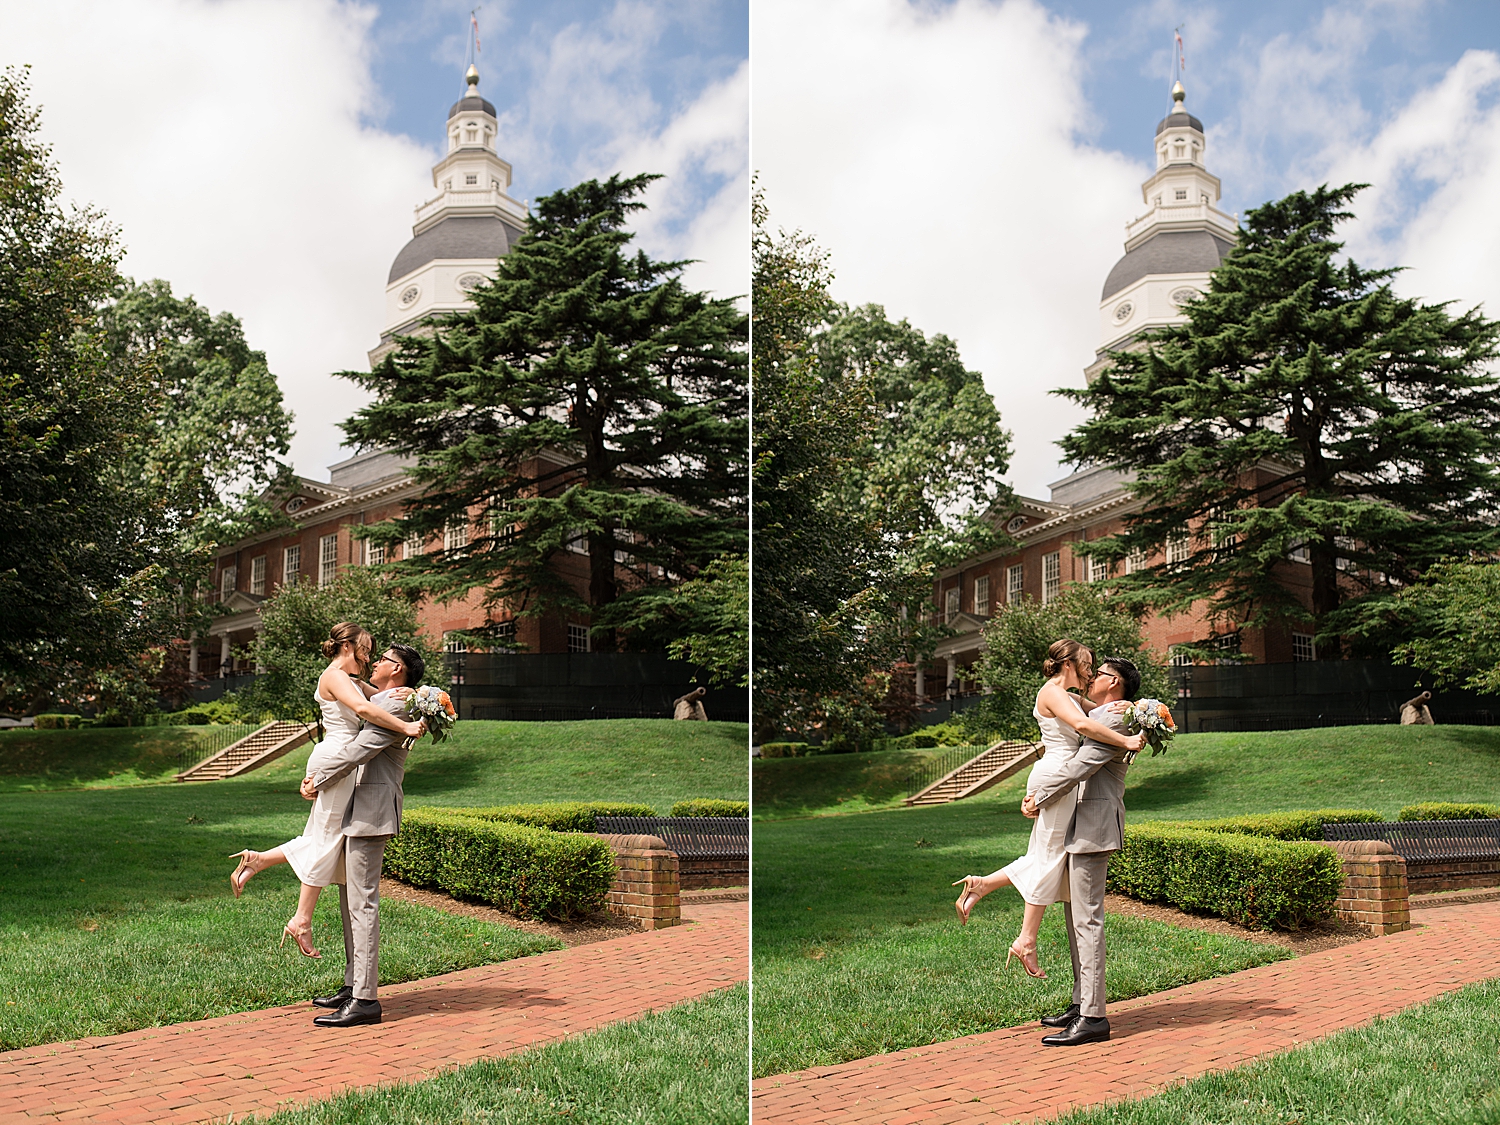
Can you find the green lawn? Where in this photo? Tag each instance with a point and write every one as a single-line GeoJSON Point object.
{"type": "Point", "coordinates": [97, 758]}
{"type": "Point", "coordinates": [115, 911]}
{"type": "Point", "coordinates": [1433, 1064]}
{"type": "Point", "coordinates": [682, 1066]}
{"type": "Point", "coordinates": [856, 947]}
{"type": "Point", "coordinates": [834, 783]}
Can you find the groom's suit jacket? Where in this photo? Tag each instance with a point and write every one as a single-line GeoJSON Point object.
{"type": "Point", "coordinates": [1099, 773]}
{"type": "Point", "coordinates": [380, 757]}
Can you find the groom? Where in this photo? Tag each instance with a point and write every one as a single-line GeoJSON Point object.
{"type": "Point", "coordinates": [373, 817]}
{"type": "Point", "coordinates": [1096, 833]}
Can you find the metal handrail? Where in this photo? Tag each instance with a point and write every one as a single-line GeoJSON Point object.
{"type": "Point", "coordinates": [940, 766]}
{"type": "Point", "coordinates": [219, 737]}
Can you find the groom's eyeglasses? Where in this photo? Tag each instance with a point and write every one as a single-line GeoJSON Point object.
{"type": "Point", "coordinates": [388, 660]}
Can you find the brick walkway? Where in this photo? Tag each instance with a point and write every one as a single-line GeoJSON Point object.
{"type": "Point", "coordinates": [263, 1061]}
{"type": "Point", "coordinates": [1212, 1025]}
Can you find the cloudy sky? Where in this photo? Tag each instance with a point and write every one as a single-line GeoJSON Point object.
{"type": "Point", "coordinates": [971, 164]}
{"type": "Point", "coordinates": [265, 155]}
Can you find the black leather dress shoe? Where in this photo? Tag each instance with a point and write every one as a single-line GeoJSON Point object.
{"type": "Point", "coordinates": [351, 1014]}
{"type": "Point", "coordinates": [1081, 1030]}
{"type": "Point", "coordinates": [1047, 1021]}
{"type": "Point", "coordinates": [336, 1001]}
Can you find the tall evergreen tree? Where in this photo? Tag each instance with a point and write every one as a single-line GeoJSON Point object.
{"type": "Point", "coordinates": [583, 353]}
{"type": "Point", "coordinates": [1303, 406]}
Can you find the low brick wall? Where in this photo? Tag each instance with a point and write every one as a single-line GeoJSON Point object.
{"type": "Point", "coordinates": [1375, 892]}
{"type": "Point", "coordinates": [719, 872]}
{"type": "Point", "coordinates": [1424, 878]}
{"type": "Point", "coordinates": [647, 886]}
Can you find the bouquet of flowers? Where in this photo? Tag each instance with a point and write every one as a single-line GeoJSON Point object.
{"type": "Point", "coordinates": [432, 706]}
{"type": "Point", "coordinates": [1151, 718]}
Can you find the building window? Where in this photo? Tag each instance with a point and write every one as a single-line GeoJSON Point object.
{"type": "Point", "coordinates": [1229, 645]}
{"type": "Point", "coordinates": [1303, 647]}
{"type": "Point", "coordinates": [1343, 543]}
{"type": "Point", "coordinates": [228, 578]}
{"type": "Point", "coordinates": [578, 542]}
{"type": "Point", "coordinates": [982, 595]}
{"type": "Point", "coordinates": [454, 642]}
{"type": "Point", "coordinates": [413, 545]}
{"type": "Point", "coordinates": [1179, 549]}
{"type": "Point", "coordinates": [1181, 193]}
{"type": "Point", "coordinates": [374, 554]}
{"type": "Point", "coordinates": [1135, 561]}
{"type": "Point", "coordinates": [1098, 569]}
{"type": "Point", "coordinates": [456, 535]}
{"type": "Point", "coordinates": [506, 632]}
{"type": "Point", "coordinates": [1015, 584]}
{"type": "Point", "coordinates": [578, 638]}
{"type": "Point", "coordinates": [1299, 552]}
{"type": "Point", "coordinates": [258, 575]}
{"type": "Point", "coordinates": [471, 177]}
{"type": "Point", "coordinates": [291, 564]}
{"type": "Point", "coordinates": [1051, 576]}
{"type": "Point", "coordinates": [950, 605]}
{"type": "Point", "coordinates": [328, 558]}
{"type": "Point", "coordinates": [1180, 659]}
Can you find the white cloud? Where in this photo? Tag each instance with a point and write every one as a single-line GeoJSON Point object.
{"type": "Point", "coordinates": [936, 154]}
{"type": "Point", "coordinates": [229, 139]}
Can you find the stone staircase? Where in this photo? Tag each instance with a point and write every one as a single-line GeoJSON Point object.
{"type": "Point", "coordinates": [990, 767]}
{"type": "Point", "coordinates": [256, 749]}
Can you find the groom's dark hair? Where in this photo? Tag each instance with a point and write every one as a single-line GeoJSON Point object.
{"type": "Point", "coordinates": [416, 667]}
{"type": "Point", "coordinates": [1130, 675]}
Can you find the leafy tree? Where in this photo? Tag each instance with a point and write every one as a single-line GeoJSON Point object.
{"type": "Point", "coordinates": [1453, 623]}
{"type": "Point", "coordinates": [1016, 643]}
{"type": "Point", "coordinates": [875, 454]}
{"type": "Point", "coordinates": [295, 620]}
{"type": "Point", "coordinates": [587, 398]}
{"type": "Point", "coordinates": [705, 620]}
{"type": "Point", "coordinates": [86, 550]}
{"type": "Point", "coordinates": [219, 426]}
{"type": "Point", "coordinates": [1304, 404]}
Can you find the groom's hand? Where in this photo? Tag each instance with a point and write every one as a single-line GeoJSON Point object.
{"type": "Point", "coordinates": [308, 789]}
{"type": "Point", "coordinates": [1028, 806]}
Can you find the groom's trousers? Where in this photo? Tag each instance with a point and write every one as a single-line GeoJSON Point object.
{"type": "Point", "coordinates": [359, 903]}
{"type": "Point", "coordinates": [1084, 914]}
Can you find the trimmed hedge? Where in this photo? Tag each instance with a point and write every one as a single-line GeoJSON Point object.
{"type": "Point", "coordinates": [525, 871]}
{"type": "Point", "coordinates": [57, 722]}
{"type": "Point", "coordinates": [1302, 824]}
{"type": "Point", "coordinates": [558, 816]}
{"type": "Point", "coordinates": [1447, 810]}
{"type": "Point", "coordinates": [707, 806]}
{"type": "Point", "coordinates": [1250, 879]}
{"type": "Point", "coordinates": [784, 750]}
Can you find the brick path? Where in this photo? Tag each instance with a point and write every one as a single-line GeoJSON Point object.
{"type": "Point", "coordinates": [1212, 1025]}
{"type": "Point", "coordinates": [263, 1061]}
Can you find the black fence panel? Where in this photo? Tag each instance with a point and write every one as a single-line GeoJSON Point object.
{"type": "Point", "coordinates": [691, 837]}
{"type": "Point", "coordinates": [1427, 841]}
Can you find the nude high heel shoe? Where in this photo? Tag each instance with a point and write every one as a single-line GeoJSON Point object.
{"type": "Point", "coordinates": [303, 940]}
{"type": "Point", "coordinates": [235, 882]}
{"type": "Point", "coordinates": [963, 905]}
{"type": "Point", "coordinates": [1032, 968]}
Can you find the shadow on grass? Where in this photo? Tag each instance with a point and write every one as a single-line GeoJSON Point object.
{"type": "Point", "coordinates": [1163, 792]}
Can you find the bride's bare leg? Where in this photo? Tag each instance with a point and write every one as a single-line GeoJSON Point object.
{"type": "Point", "coordinates": [1024, 946]}
{"type": "Point", "coordinates": [307, 902]}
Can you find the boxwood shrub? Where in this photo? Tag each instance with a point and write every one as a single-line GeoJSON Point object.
{"type": "Point", "coordinates": [784, 750]}
{"type": "Point", "coordinates": [706, 806]}
{"type": "Point", "coordinates": [1250, 879]}
{"type": "Point", "coordinates": [525, 871]}
{"type": "Point", "coordinates": [57, 722]}
{"type": "Point", "coordinates": [1301, 824]}
{"type": "Point", "coordinates": [1447, 810]}
{"type": "Point", "coordinates": [559, 816]}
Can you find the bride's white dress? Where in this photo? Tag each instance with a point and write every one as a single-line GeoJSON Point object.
{"type": "Point", "coordinates": [1041, 875]}
{"type": "Point", "coordinates": [317, 856]}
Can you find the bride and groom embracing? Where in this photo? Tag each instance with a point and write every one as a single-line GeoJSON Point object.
{"type": "Point", "coordinates": [1075, 797]}
{"type": "Point", "coordinates": [354, 780]}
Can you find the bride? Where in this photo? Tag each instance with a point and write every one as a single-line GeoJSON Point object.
{"type": "Point", "coordinates": [1041, 875]}
{"type": "Point", "coordinates": [317, 856]}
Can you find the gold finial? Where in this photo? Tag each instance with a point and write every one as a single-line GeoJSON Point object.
{"type": "Point", "coordinates": [472, 78]}
{"type": "Point", "coordinates": [1179, 95]}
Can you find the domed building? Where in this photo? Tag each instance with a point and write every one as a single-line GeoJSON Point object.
{"type": "Point", "coordinates": [1170, 252]}
{"type": "Point", "coordinates": [461, 232]}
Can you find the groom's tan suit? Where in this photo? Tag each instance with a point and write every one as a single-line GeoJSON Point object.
{"type": "Point", "coordinates": [1096, 833]}
{"type": "Point", "coordinates": [372, 818]}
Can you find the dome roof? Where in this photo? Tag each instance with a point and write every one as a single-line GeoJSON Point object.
{"type": "Point", "coordinates": [1178, 119]}
{"type": "Point", "coordinates": [465, 236]}
{"type": "Point", "coordinates": [472, 102]}
{"type": "Point", "coordinates": [1173, 251]}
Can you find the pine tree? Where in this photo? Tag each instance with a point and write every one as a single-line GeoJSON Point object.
{"type": "Point", "coordinates": [587, 398]}
{"type": "Point", "coordinates": [1304, 406]}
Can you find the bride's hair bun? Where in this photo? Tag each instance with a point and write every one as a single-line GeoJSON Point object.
{"type": "Point", "coordinates": [345, 632]}
{"type": "Point", "coordinates": [1060, 653]}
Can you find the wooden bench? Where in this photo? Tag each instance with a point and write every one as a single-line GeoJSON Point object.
{"type": "Point", "coordinates": [1440, 855]}
{"type": "Point", "coordinates": [712, 851]}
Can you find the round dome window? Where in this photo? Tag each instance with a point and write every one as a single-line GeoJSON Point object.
{"type": "Point", "coordinates": [1123, 311]}
{"type": "Point", "coordinates": [1181, 296]}
{"type": "Point", "coordinates": [470, 281]}
{"type": "Point", "coordinates": [409, 296]}
{"type": "Point", "coordinates": [296, 504]}
{"type": "Point", "coordinates": [1016, 524]}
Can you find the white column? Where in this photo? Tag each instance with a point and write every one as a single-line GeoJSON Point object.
{"type": "Point", "coordinates": [193, 656]}
{"type": "Point", "coordinates": [921, 684]}
{"type": "Point", "coordinates": [224, 656]}
{"type": "Point", "coordinates": [952, 676]}
{"type": "Point", "coordinates": [259, 667]}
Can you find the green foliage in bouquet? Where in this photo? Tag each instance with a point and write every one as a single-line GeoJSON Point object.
{"type": "Point", "coordinates": [1251, 880]}
{"type": "Point", "coordinates": [1448, 810]}
{"type": "Point", "coordinates": [525, 871]}
{"type": "Point", "coordinates": [707, 806]}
